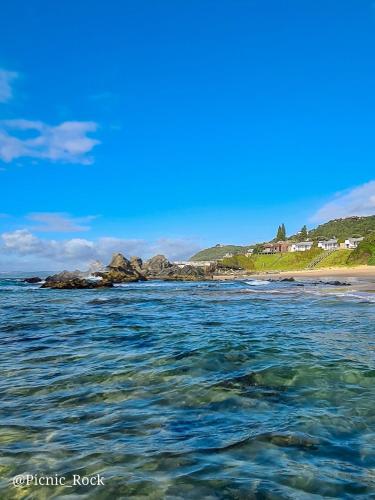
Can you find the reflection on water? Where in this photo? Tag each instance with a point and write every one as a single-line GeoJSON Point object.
{"type": "Point", "coordinates": [189, 390]}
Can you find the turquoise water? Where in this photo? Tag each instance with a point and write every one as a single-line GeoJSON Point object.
{"type": "Point", "coordinates": [219, 390]}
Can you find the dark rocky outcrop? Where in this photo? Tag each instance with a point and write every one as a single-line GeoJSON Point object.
{"type": "Point", "coordinates": [159, 268]}
{"type": "Point", "coordinates": [33, 279]}
{"type": "Point", "coordinates": [336, 283]}
{"type": "Point", "coordinates": [74, 279]}
{"type": "Point", "coordinates": [282, 280]}
{"type": "Point", "coordinates": [76, 283]}
{"type": "Point", "coordinates": [64, 276]}
{"type": "Point", "coordinates": [185, 273]}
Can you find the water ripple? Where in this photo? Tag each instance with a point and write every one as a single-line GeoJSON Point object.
{"type": "Point", "coordinates": [189, 390]}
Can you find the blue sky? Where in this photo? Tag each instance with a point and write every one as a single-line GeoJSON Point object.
{"type": "Point", "coordinates": [169, 126]}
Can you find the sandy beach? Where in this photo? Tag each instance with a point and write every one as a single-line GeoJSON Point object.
{"type": "Point", "coordinates": [362, 273]}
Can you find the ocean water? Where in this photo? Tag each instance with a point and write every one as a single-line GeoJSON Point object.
{"type": "Point", "coordinates": [216, 390]}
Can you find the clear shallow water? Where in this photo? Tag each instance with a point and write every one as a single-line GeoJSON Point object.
{"type": "Point", "coordinates": [189, 390]}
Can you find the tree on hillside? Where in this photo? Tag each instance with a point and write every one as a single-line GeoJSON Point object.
{"type": "Point", "coordinates": [281, 233]}
{"type": "Point", "coordinates": [258, 248]}
{"type": "Point", "coordinates": [303, 234]}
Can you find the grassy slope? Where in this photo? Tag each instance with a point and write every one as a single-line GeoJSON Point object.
{"type": "Point", "coordinates": [215, 253]}
{"type": "Point", "coordinates": [291, 261]}
{"type": "Point", "coordinates": [295, 261]}
{"type": "Point", "coordinates": [336, 259]}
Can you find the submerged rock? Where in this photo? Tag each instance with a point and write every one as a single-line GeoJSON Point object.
{"type": "Point", "coordinates": [287, 439]}
{"type": "Point", "coordinates": [282, 280]}
{"type": "Point", "coordinates": [336, 283]}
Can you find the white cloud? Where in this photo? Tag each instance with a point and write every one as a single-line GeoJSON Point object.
{"type": "Point", "coordinates": [356, 201]}
{"type": "Point", "coordinates": [22, 246]}
{"type": "Point", "coordinates": [67, 142]}
{"type": "Point", "coordinates": [6, 79]}
{"type": "Point", "coordinates": [59, 222]}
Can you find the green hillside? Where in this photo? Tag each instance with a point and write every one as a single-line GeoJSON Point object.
{"type": "Point", "coordinates": [336, 259]}
{"type": "Point", "coordinates": [344, 228]}
{"type": "Point", "coordinates": [218, 252]}
{"type": "Point", "coordinates": [338, 228]}
{"type": "Point", "coordinates": [295, 261]}
{"type": "Point", "coordinates": [365, 252]}
{"type": "Point", "coordinates": [290, 261]}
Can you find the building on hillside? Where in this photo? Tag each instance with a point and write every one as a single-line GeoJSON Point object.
{"type": "Point", "coordinates": [197, 263]}
{"type": "Point", "coordinates": [249, 252]}
{"type": "Point", "coordinates": [352, 243]}
{"type": "Point", "coordinates": [302, 246]}
{"type": "Point", "coordinates": [278, 247]}
{"type": "Point", "coordinates": [332, 244]}
{"type": "Point", "coordinates": [228, 254]}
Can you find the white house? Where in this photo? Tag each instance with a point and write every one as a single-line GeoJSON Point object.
{"type": "Point", "coordinates": [301, 246]}
{"type": "Point", "coordinates": [352, 243]}
{"type": "Point", "coordinates": [332, 244]}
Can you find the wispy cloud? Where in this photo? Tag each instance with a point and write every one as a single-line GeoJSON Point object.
{"type": "Point", "coordinates": [67, 142]}
{"type": "Point", "coordinates": [59, 222]}
{"type": "Point", "coordinates": [79, 252]}
{"type": "Point", "coordinates": [6, 79]}
{"type": "Point", "coordinates": [359, 200]}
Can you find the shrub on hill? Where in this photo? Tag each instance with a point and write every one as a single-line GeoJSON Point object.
{"type": "Point", "coordinates": [218, 252]}
{"type": "Point", "coordinates": [365, 252]}
{"type": "Point", "coordinates": [344, 228]}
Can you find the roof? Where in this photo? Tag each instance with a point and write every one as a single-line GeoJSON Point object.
{"type": "Point", "coordinates": [355, 239]}
{"type": "Point", "coordinates": [304, 243]}
{"type": "Point", "coordinates": [328, 241]}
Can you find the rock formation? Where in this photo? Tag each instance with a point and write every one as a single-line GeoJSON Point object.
{"type": "Point", "coordinates": [154, 266]}
{"type": "Point", "coordinates": [33, 279]}
{"type": "Point", "coordinates": [77, 283]}
{"type": "Point", "coordinates": [69, 280]}
{"type": "Point", "coordinates": [185, 273]}
{"type": "Point", "coordinates": [160, 268]}
{"type": "Point", "coordinates": [122, 270]}
{"type": "Point", "coordinates": [136, 263]}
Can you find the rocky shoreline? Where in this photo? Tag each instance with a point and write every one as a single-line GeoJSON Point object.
{"type": "Point", "coordinates": [123, 270]}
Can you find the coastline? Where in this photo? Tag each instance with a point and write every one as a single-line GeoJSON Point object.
{"type": "Point", "coordinates": [365, 273]}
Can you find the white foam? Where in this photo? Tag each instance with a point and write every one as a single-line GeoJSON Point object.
{"type": "Point", "coordinates": [91, 277]}
{"type": "Point", "coordinates": [257, 282]}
